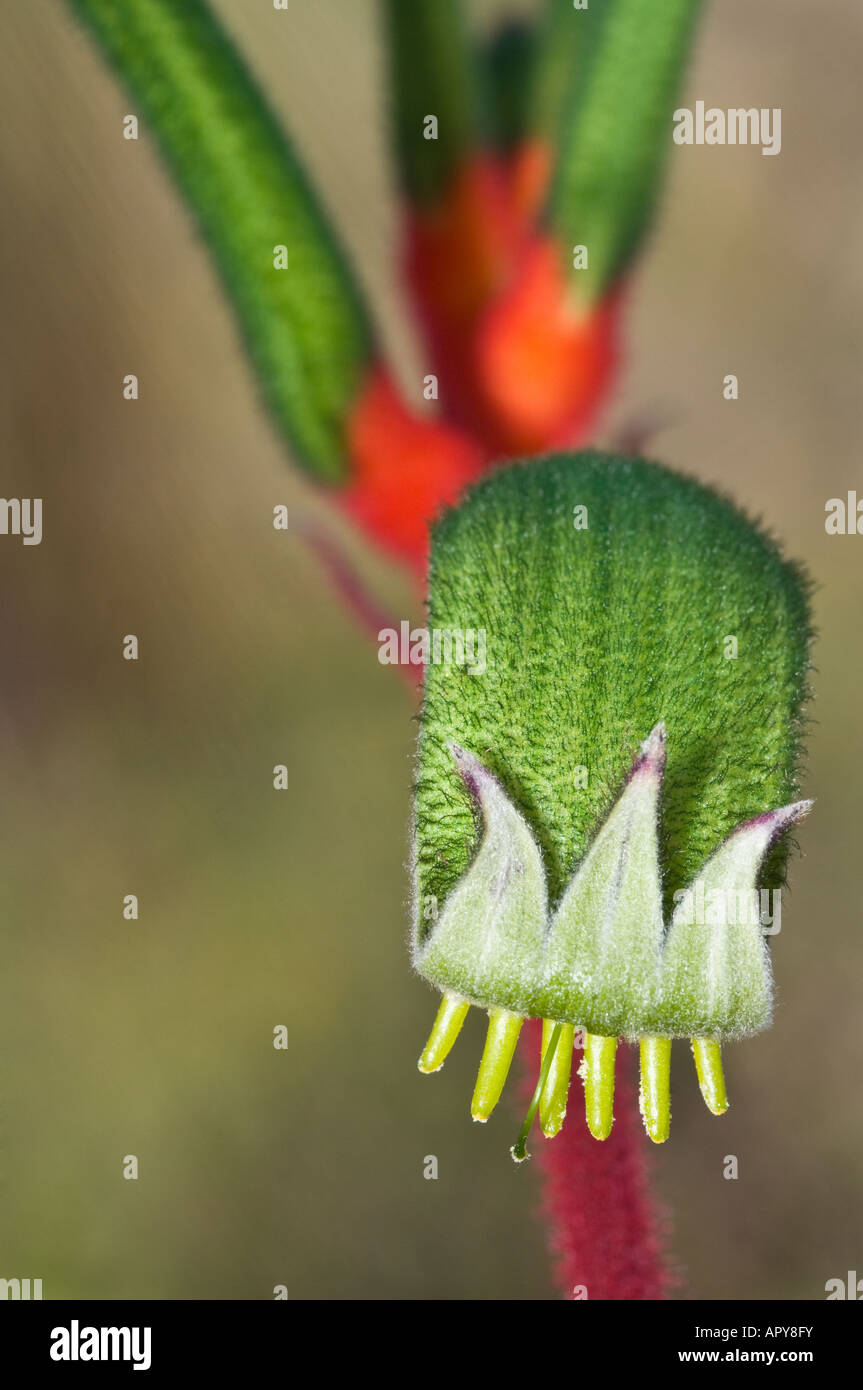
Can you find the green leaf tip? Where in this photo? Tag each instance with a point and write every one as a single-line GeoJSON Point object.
{"type": "Point", "coordinates": [297, 305]}
{"type": "Point", "coordinates": [433, 76]}
{"type": "Point", "coordinates": [507, 62]}
{"type": "Point", "coordinates": [594, 817]}
{"type": "Point", "coordinates": [617, 130]}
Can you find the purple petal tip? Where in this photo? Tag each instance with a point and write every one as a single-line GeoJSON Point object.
{"type": "Point", "coordinates": [778, 820]}
{"type": "Point", "coordinates": [469, 768]}
{"type": "Point", "coordinates": [651, 758]}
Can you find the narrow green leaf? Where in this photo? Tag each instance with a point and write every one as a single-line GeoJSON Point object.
{"type": "Point", "coordinates": [563, 38]}
{"type": "Point", "coordinates": [433, 74]}
{"type": "Point", "coordinates": [508, 61]}
{"type": "Point", "coordinates": [305, 326]}
{"type": "Point", "coordinates": [618, 132]}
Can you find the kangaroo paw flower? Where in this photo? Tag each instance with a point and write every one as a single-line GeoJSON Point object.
{"type": "Point", "coordinates": [563, 906]}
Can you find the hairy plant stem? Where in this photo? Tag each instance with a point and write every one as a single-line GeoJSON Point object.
{"type": "Point", "coordinates": [606, 1238]}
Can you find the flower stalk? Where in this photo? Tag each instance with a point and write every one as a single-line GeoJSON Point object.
{"type": "Point", "coordinates": [547, 137]}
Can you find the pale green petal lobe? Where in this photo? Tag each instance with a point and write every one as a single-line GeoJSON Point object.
{"type": "Point", "coordinates": [716, 971]}
{"type": "Point", "coordinates": [602, 964]}
{"type": "Point", "coordinates": [488, 940]}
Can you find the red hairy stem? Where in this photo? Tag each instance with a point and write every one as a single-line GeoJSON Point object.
{"type": "Point", "coordinates": [606, 1238]}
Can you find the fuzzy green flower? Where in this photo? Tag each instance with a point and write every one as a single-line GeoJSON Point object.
{"type": "Point", "coordinates": [595, 813]}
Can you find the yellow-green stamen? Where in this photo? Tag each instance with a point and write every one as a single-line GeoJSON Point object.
{"type": "Point", "coordinates": [502, 1036]}
{"type": "Point", "coordinates": [552, 1101]}
{"type": "Point", "coordinates": [446, 1028]}
{"type": "Point", "coordinates": [598, 1071]}
{"type": "Point", "coordinates": [655, 1095]}
{"type": "Point", "coordinates": [708, 1065]}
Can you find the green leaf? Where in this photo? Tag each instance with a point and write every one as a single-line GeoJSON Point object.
{"type": "Point", "coordinates": [432, 73]}
{"type": "Point", "coordinates": [618, 131]}
{"type": "Point", "coordinates": [563, 37]}
{"type": "Point", "coordinates": [508, 60]}
{"type": "Point", "coordinates": [305, 326]}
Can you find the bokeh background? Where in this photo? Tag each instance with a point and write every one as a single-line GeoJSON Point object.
{"type": "Point", "coordinates": [154, 1037]}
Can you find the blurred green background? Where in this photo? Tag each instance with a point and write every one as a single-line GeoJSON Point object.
{"type": "Point", "coordinates": [154, 1037]}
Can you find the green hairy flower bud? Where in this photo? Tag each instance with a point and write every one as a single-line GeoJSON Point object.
{"type": "Point", "coordinates": [596, 812]}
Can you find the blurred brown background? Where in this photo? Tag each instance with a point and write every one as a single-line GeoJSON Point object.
{"type": "Point", "coordinates": [304, 1168]}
